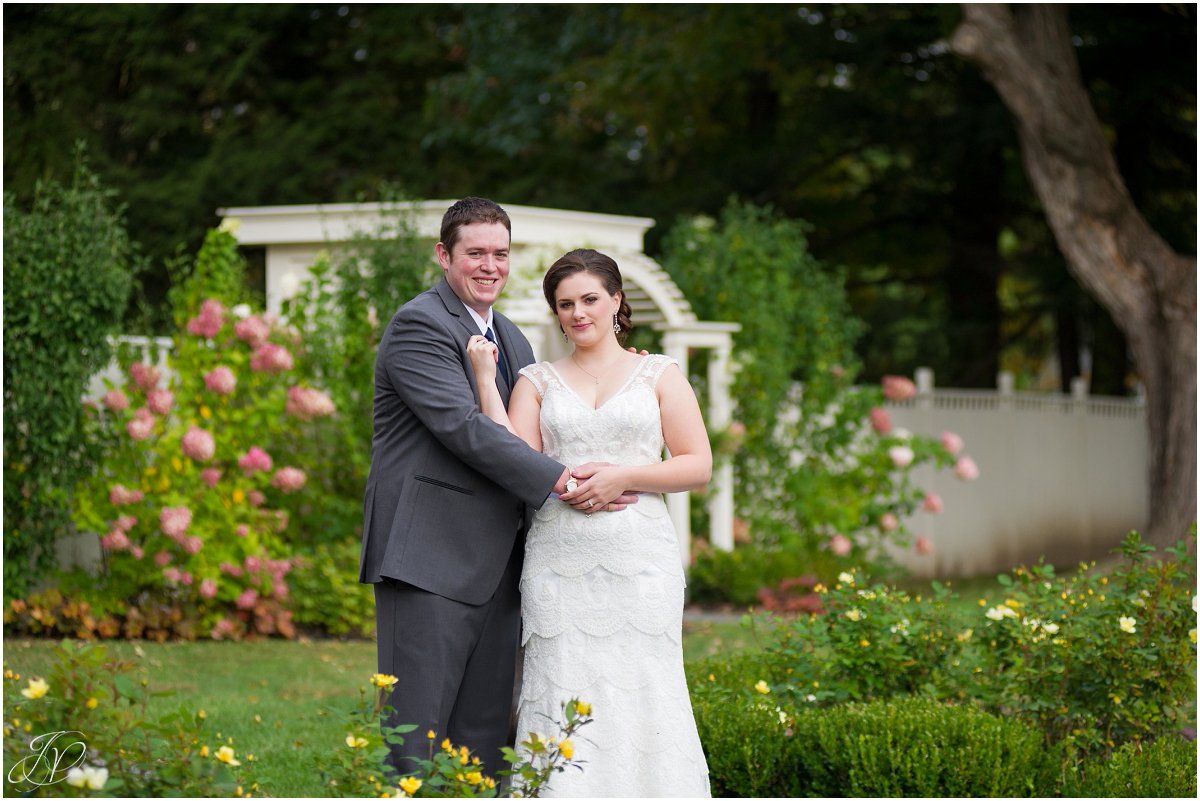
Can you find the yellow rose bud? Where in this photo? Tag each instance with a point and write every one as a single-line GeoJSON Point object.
{"type": "Point", "coordinates": [474, 777]}
{"type": "Point", "coordinates": [204, 751]}
{"type": "Point", "coordinates": [92, 703]}
{"type": "Point", "coordinates": [430, 734]}
{"type": "Point", "coordinates": [583, 708]}
{"type": "Point", "coordinates": [205, 412]}
{"type": "Point", "coordinates": [447, 746]}
{"type": "Point", "coordinates": [238, 496]}
{"type": "Point", "coordinates": [864, 643]}
{"type": "Point", "coordinates": [410, 784]}
{"type": "Point", "coordinates": [567, 749]}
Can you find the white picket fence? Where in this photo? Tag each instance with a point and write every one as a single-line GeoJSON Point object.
{"type": "Point", "coordinates": [1062, 476]}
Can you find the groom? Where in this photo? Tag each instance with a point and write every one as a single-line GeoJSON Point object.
{"type": "Point", "coordinates": [448, 499]}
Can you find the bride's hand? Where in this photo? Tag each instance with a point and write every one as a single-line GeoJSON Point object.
{"type": "Point", "coordinates": [601, 488]}
{"type": "Point", "coordinates": [483, 356]}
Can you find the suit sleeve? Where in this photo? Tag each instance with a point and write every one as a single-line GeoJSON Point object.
{"type": "Point", "coordinates": [428, 371]}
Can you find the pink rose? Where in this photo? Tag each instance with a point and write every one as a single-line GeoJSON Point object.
{"type": "Point", "coordinates": [888, 522]}
{"type": "Point", "coordinates": [208, 588]}
{"type": "Point", "coordinates": [898, 388]}
{"type": "Point", "coordinates": [881, 421]}
{"type": "Point", "coordinates": [137, 552]}
{"type": "Point", "coordinates": [255, 459]}
{"type": "Point", "coordinates": [160, 401]}
{"type": "Point", "coordinates": [210, 476]}
{"type": "Point", "coordinates": [289, 479]}
{"type": "Point", "coordinates": [247, 599]}
{"type": "Point", "coordinates": [209, 321]}
{"type": "Point", "coordinates": [141, 426]}
{"type": "Point", "coordinates": [923, 546]}
{"type": "Point", "coordinates": [120, 496]}
{"type": "Point", "coordinates": [193, 544]}
{"type": "Point", "coordinates": [175, 520]}
{"type": "Point", "coordinates": [220, 380]}
{"type": "Point", "coordinates": [115, 540]}
{"type": "Point", "coordinates": [933, 503]}
{"type": "Point", "coordinates": [162, 558]}
{"type": "Point", "coordinates": [901, 456]}
{"type": "Point", "coordinates": [308, 403]}
{"type": "Point", "coordinates": [253, 331]}
{"type": "Point", "coordinates": [198, 444]}
{"type": "Point", "coordinates": [271, 358]}
{"type": "Point", "coordinates": [116, 401]}
{"type": "Point", "coordinates": [144, 375]}
{"type": "Point", "coordinates": [840, 545]}
{"type": "Point", "coordinates": [951, 442]}
{"type": "Point", "coordinates": [966, 469]}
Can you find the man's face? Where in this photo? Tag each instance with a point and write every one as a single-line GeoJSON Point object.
{"type": "Point", "coordinates": [478, 268]}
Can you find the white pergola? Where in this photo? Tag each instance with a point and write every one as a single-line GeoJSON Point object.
{"type": "Point", "coordinates": [294, 236]}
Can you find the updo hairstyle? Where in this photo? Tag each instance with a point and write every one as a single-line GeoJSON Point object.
{"type": "Point", "coordinates": [584, 260]}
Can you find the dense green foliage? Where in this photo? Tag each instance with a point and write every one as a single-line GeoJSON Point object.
{"type": "Point", "coordinates": [854, 117]}
{"type": "Point", "coordinates": [1165, 768]}
{"type": "Point", "coordinates": [68, 268]}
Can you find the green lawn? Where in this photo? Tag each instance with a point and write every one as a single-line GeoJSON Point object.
{"type": "Point", "coordinates": [269, 695]}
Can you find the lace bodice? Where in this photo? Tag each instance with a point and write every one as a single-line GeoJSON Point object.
{"type": "Point", "coordinates": [625, 429]}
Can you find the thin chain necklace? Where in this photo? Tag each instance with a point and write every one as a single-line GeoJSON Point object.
{"type": "Point", "coordinates": [595, 377]}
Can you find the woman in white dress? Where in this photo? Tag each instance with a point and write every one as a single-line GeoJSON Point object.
{"type": "Point", "coordinates": [602, 595]}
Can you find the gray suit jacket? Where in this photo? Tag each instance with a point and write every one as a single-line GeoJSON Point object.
{"type": "Point", "coordinates": [449, 490]}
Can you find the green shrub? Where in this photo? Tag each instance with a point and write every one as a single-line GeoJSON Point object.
{"type": "Point", "coordinates": [1164, 768]}
{"type": "Point", "coordinates": [67, 276]}
{"type": "Point", "coordinates": [736, 576]}
{"type": "Point", "coordinates": [326, 594]}
{"type": "Point", "coordinates": [748, 749]}
{"type": "Point", "coordinates": [917, 747]}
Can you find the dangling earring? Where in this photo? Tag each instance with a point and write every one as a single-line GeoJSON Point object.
{"type": "Point", "coordinates": [564, 333]}
{"type": "Point", "coordinates": [616, 325]}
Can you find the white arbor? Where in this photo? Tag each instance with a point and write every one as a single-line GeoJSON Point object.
{"type": "Point", "coordinates": [294, 236]}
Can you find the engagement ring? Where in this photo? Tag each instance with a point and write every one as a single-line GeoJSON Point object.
{"type": "Point", "coordinates": [591, 503]}
{"type": "Point", "coordinates": [572, 484]}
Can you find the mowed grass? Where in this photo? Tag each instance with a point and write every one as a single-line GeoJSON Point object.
{"type": "Point", "coordinates": [271, 696]}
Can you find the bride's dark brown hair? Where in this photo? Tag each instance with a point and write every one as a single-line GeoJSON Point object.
{"type": "Point", "coordinates": [584, 260]}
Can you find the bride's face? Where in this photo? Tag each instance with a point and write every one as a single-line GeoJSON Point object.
{"type": "Point", "coordinates": [585, 309]}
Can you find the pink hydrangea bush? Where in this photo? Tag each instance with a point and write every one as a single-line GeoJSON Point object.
{"type": "Point", "coordinates": [195, 501]}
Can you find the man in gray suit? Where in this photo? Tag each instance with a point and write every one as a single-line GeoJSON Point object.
{"type": "Point", "coordinates": [448, 499]}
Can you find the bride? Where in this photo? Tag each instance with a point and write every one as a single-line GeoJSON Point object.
{"type": "Point", "coordinates": [602, 595]}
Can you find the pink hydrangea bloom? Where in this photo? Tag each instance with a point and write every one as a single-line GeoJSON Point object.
{"type": "Point", "coordinates": [160, 401]}
{"type": "Point", "coordinates": [243, 530]}
{"type": "Point", "coordinates": [231, 570]}
{"type": "Point", "coordinates": [253, 564]}
{"type": "Point", "coordinates": [255, 459]}
{"type": "Point", "coordinates": [308, 404]}
{"type": "Point", "coordinates": [256, 498]}
{"type": "Point", "coordinates": [141, 426]}
{"type": "Point", "coordinates": [840, 545]}
{"type": "Point", "coordinates": [175, 520]}
{"type": "Point", "coordinates": [120, 496]}
{"type": "Point", "coordinates": [933, 503]}
{"type": "Point", "coordinates": [280, 589]}
{"type": "Point", "coordinates": [253, 331]}
{"type": "Point", "coordinates": [208, 588]}
{"type": "Point", "coordinates": [116, 401]}
{"type": "Point", "coordinates": [193, 544]}
{"type": "Point", "coordinates": [289, 479]}
{"type": "Point", "coordinates": [209, 321]}
{"type": "Point", "coordinates": [220, 380]}
{"type": "Point", "coordinates": [966, 469]}
{"type": "Point", "coordinates": [210, 476]}
{"type": "Point", "coordinates": [144, 375]}
{"type": "Point", "coordinates": [162, 558]}
{"type": "Point", "coordinates": [901, 456]}
{"type": "Point", "coordinates": [172, 574]}
{"type": "Point", "coordinates": [923, 546]}
{"type": "Point", "coordinates": [115, 540]}
{"type": "Point", "coordinates": [224, 628]}
{"type": "Point", "coordinates": [889, 522]}
{"type": "Point", "coordinates": [137, 552]}
{"type": "Point", "coordinates": [881, 421]}
{"type": "Point", "coordinates": [125, 522]}
{"type": "Point", "coordinates": [198, 444]}
{"type": "Point", "coordinates": [247, 599]}
{"type": "Point", "coordinates": [271, 358]}
{"type": "Point", "coordinates": [281, 520]}
{"type": "Point", "coordinates": [898, 388]}
{"type": "Point", "coordinates": [951, 442]}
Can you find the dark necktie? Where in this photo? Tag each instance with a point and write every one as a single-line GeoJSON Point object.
{"type": "Point", "coordinates": [500, 354]}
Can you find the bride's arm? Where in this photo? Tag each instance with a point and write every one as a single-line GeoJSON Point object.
{"type": "Point", "coordinates": [524, 406]}
{"type": "Point", "coordinates": [690, 465]}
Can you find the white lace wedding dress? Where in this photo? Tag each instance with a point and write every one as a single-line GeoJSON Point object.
{"type": "Point", "coordinates": [602, 606]}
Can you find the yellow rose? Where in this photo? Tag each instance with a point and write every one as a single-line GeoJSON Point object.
{"type": "Point", "coordinates": [205, 412]}
{"type": "Point", "coordinates": [864, 643]}
{"type": "Point", "coordinates": [583, 708]}
{"type": "Point", "coordinates": [762, 687]}
{"type": "Point", "coordinates": [356, 742]}
{"type": "Point", "coordinates": [447, 746]}
{"type": "Point", "coordinates": [474, 777]}
{"type": "Point", "coordinates": [238, 496]}
{"type": "Point", "coordinates": [204, 752]}
{"type": "Point", "coordinates": [36, 689]}
{"type": "Point", "coordinates": [92, 703]}
{"type": "Point", "coordinates": [410, 784]}
{"type": "Point", "coordinates": [430, 734]}
{"type": "Point", "coordinates": [567, 749]}
{"type": "Point", "coordinates": [225, 754]}
{"type": "Point", "coordinates": [384, 681]}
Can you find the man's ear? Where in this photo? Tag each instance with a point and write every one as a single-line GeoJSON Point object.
{"type": "Point", "coordinates": [443, 256]}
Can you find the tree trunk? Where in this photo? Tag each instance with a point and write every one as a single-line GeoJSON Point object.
{"type": "Point", "coordinates": [1150, 290]}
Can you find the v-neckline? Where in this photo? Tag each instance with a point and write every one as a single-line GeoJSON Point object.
{"type": "Point", "coordinates": [629, 380]}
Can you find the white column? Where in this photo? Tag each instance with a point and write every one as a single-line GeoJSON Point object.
{"type": "Point", "coordinates": [720, 505]}
{"type": "Point", "coordinates": [679, 503]}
